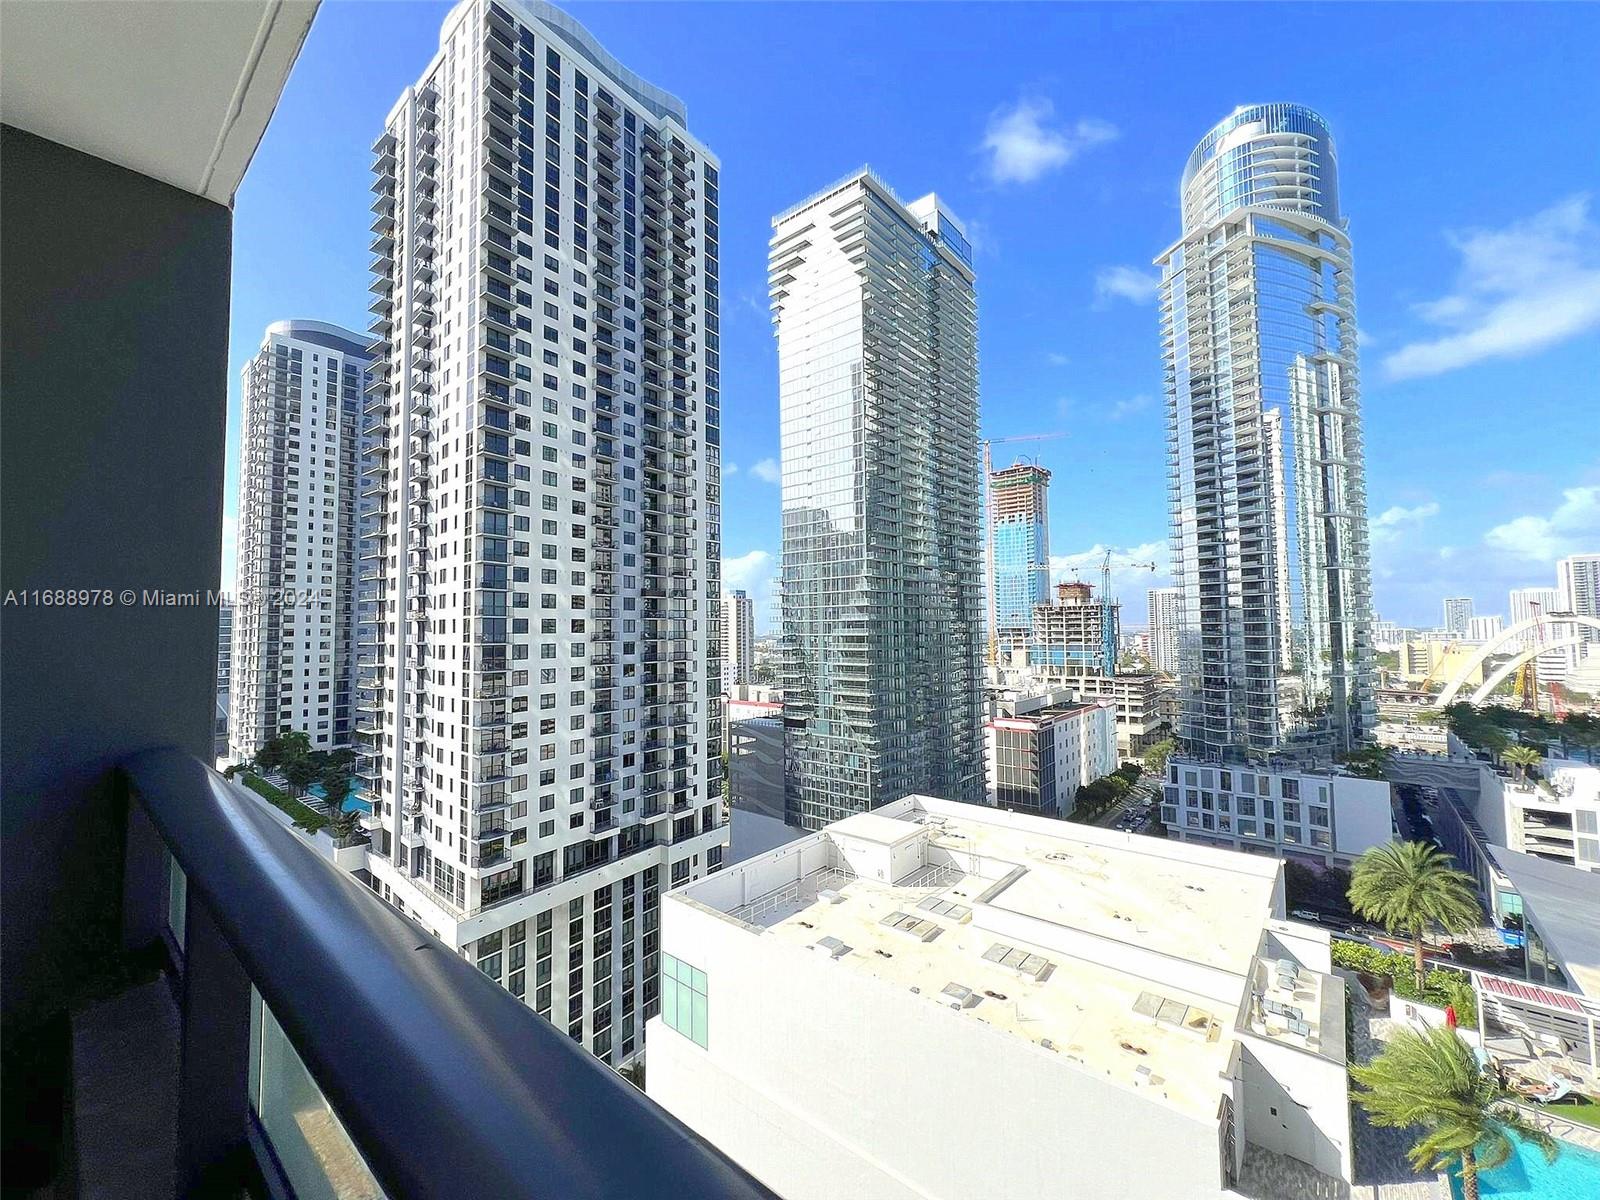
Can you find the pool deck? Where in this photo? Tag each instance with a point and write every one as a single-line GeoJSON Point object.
{"type": "Point", "coordinates": [1552, 1122]}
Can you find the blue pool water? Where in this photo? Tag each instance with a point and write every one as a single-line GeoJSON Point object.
{"type": "Point", "coordinates": [1575, 1175]}
{"type": "Point", "coordinates": [353, 802]}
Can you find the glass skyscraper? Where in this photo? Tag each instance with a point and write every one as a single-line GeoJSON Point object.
{"type": "Point", "coordinates": [1019, 526]}
{"type": "Point", "coordinates": [876, 320]}
{"type": "Point", "coordinates": [1268, 500]}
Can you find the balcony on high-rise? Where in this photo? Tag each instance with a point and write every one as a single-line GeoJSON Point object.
{"type": "Point", "coordinates": [195, 1001]}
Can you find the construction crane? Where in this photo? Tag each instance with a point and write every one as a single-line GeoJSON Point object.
{"type": "Point", "coordinates": [988, 532]}
{"type": "Point", "coordinates": [1108, 630]}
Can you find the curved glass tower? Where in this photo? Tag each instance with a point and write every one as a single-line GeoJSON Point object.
{"type": "Point", "coordinates": [1269, 522]}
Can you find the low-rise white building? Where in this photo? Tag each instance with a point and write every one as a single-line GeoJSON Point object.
{"type": "Point", "coordinates": [1038, 752]}
{"type": "Point", "coordinates": [1313, 816]}
{"type": "Point", "coordinates": [1555, 816]}
{"type": "Point", "coordinates": [1145, 704]}
{"type": "Point", "coordinates": [941, 1000]}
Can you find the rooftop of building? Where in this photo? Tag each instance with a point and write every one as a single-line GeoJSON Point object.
{"type": "Point", "coordinates": [1043, 710]}
{"type": "Point", "coordinates": [926, 213]}
{"type": "Point", "coordinates": [321, 333]}
{"type": "Point", "coordinates": [658, 101]}
{"type": "Point", "coordinates": [1132, 959]}
{"type": "Point", "coordinates": [1021, 472]}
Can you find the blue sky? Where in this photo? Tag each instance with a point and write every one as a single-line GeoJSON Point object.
{"type": "Point", "coordinates": [1469, 170]}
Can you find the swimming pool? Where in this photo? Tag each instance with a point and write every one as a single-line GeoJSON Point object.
{"type": "Point", "coordinates": [353, 802]}
{"type": "Point", "coordinates": [1575, 1175]}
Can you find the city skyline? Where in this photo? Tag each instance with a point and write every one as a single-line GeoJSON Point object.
{"type": "Point", "coordinates": [492, 828]}
{"type": "Point", "coordinates": [1069, 320]}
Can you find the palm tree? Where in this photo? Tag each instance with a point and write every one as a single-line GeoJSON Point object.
{"type": "Point", "coordinates": [1432, 1080]}
{"type": "Point", "coordinates": [1522, 757]}
{"type": "Point", "coordinates": [1408, 886]}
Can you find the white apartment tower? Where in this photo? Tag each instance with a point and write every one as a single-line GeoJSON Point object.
{"type": "Point", "coordinates": [1166, 618]}
{"type": "Point", "coordinates": [540, 579]}
{"type": "Point", "coordinates": [294, 619]}
{"type": "Point", "coordinates": [1578, 580]}
{"type": "Point", "coordinates": [1526, 603]}
{"type": "Point", "coordinates": [1458, 614]}
{"type": "Point", "coordinates": [874, 307]}
{"type": "Point", "coordinates": [738, 639]}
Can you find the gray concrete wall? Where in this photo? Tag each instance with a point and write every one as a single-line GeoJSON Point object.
{"type": "Point", "coordinates": [112, 428]}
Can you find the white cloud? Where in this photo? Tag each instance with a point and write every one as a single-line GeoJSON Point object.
{"type": "Point", "coordinates": [1572, 528]}
{"type": "Point", "coordinates": [1126, 408]}
{"type": "Point", "coordinates": [729, 468]}
{"type": "Point", "coordinates": [1125, 283]}
{"type": "Point", "coordinates": [230, 552]}
{"type": "Point", "coordinates": [1056, 359]}
{"type": "Point", "coordinates": [767, 471]}
{"type": "Point", "coordinates": [755, 573]}
{"type": "Point", "coordinates": [1520, 289]}
{"type": "Point", "coordinates": [1023, 144]}
{"type": "Point", "coordinates": [1391, 522]}
{"type": "Point", "coordinates": [1129, 584]}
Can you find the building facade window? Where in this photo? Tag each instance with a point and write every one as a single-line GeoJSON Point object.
{"type": "Point", "coordinates": [683, 999]}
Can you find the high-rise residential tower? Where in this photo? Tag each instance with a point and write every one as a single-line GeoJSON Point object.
{"type": "Point", "coordinates": [1165, 617]}
{"type": "Point", "coordinates": [738, 639]}
{"type": "Point", "coordinates": [876, 320]}
{"type": "Point", "coordinates": [294, 618]}
{"type": "Point", "coordinates": [541, 576]}
{"type": "Point", "coordinates": [1578, 581]}
{"type": "Point", "coordinates": [1458, 612]}
{"type": "Point", "coordinates": [1530, 602]}
{"type": "Point", "coordinates": [220, 743]}
{"type": "Point", "coordinates": [1269, 523]}
{"type": "Point", "coordinates": [1019, 529]}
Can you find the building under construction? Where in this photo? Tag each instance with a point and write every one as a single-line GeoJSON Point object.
{"type": "Point", "coordinates": [1077, 634]}
{"type": "Point", "coordinates": [1019, 532]}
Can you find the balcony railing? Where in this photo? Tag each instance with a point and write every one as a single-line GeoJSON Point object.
{"type": "Point", "coordinates": [342, 1048]}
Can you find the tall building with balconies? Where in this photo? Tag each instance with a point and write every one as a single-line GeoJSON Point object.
{"type": "Point", "coordinates": [540, 576]}
{"type": "Point", "coordinates": [738, 639]}
{"type": "Point", "coordinates": [1458, 614]}
{"type": "Point", "coordinates": [876, 319]}
{"type": "Point", "coordinates": [294, 619]}
{"type": "Point", "coordinates": [1019, 533]}
{"type": "Point", "coordinates": [1268, 498]}
{"type": "Point", "coordinates": [1165, 615]}
{"type": "Point", "coordinates": [1578, 585]}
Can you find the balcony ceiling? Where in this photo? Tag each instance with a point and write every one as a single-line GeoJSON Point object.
{"type": "Point", "coordinates": [178, 91]}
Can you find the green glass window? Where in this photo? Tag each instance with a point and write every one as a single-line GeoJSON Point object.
{"type": "Point", "coordinates": [683, 999]}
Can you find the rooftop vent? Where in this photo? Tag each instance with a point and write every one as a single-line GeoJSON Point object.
{"type": "Point", "coordinates": [829, 896]}
{"type": "Point", "coordinates": [834, 947]}
{"type": "Point", "coordinates": [1278, 1009]}
{"type": "Point", "coordinates": [960, 997]}
{"type": "Point", "coordinates": [923, 931]}
{"type": "Point", "coordinates": [1165, 1011]}
{"type": "Point", "coordinates": [944, 908]}
{"type": "Point", "coordinates": [1034, 966]}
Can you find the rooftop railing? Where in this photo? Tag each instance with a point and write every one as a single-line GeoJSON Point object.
{"type": "Point", "coordinates": [350, 1050]}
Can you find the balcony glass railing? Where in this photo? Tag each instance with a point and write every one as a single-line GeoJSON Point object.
{"type": "Point", "coordinates": [346, 1053]}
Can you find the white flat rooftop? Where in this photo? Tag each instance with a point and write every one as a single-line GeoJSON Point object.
{"type": "Point", "coordinates": [1131, 958]}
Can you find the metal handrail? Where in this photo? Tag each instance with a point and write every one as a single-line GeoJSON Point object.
{"type": "Point", "coordinates": [448, 1085]}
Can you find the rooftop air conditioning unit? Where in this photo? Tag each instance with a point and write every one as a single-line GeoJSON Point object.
{"type": "Point", "coordinates": [832, 946]}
